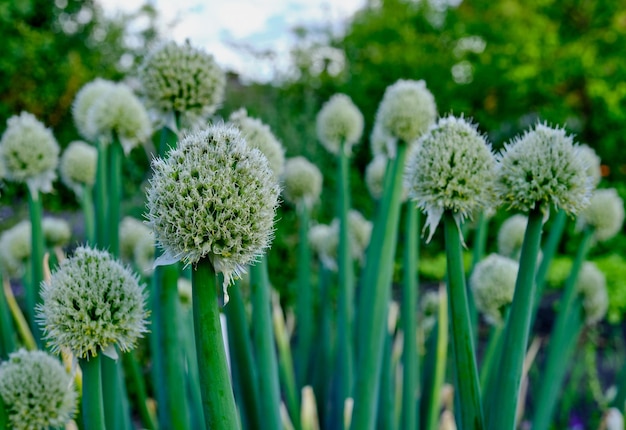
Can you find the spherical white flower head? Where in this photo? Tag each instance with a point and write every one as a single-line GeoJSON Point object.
{"type": "Point", "coordinates": [407, 110]}
{"type": "Point", "coordinates": [302, 182]}
{"type": "Point", "coordinates": [15, 248]}
{"type": "Point", "coordinates": [324, 240]}
{"type": "Point", "coordinates": [381, 142]}
{"type": "Point", "coordinates": [182, 79]}
{"type": "Point", "coordinates": [214, 197]}
{"type": "Point", "coordinates": [605, 214]}
{"type": "Point", "coordinates": [360, 233]}
{"type": "Point", "coordinates": [144, 254]}
{"type": "Point", "coordinates": [511, 235]}
{"type": "Point", "coordinates": [36, 390]}
{"type": "Point", "coordinates": [375, 175]}
{"type": "Point", "coordinates": [89, 94]}
{"type": "Point", "coordinates": [119, 112]}
{"type": "Point", "coordinates": [78, 166]}
{"type": "Point", "coordinates": [614, 419]}
{"type": "Point", "coordinates": [543, 167]}
{"type": "Point", "coordinates": [258, 135]}
{"type": "Point", "coordinates": [131, 231]}
{"type": "Point", "coordinates": [450, 168]}
{"type": "Point", "coordinates": [29, 152]}
{"type": "Point", "coordinates": [339, 124]}
{"type": "Point", "coordinates": [91, 304]}
{"type": "Point", "coordinates": [493, 284]}
{"type": "Point", "coordinates": [592, 163]}
{"type": "Point", "coordinates": [591, 283]}
{"type": "Point", "coordinates": [56, 231]}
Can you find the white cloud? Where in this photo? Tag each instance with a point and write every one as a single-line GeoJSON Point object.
{"type": "Point", "coordinates": [260, 23]}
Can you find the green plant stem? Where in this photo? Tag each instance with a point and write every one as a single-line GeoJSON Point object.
{"type": "Point", "coordinates": [324, 349]}
{"type": "Point", "coordinates": [136, 376]}
{"type": "Point", "coordinates": [344, 356]}
{"type": "Point", "coordinates": [410, 358]}
{"type": "Point", "coordinates": [18, 318]}
{"type": "Point", "coordinates": [35, 209]}
{"type": "Point", "coordinates": [547, 255]}
{"type": "Point", "coordinates": [478, 252]}
{"type": "Point", "coordinates": [435, 367]}
{"type": "Point", "coordinates": [101, 196]}
{"type": "Point", "coordinates": [462, 336]}
{"type": "Point", "coordinates": [116, 155]}
{"type": "Point", "coordinates": [489, 369]}
{"type": "Point", "coordinates": [503, 413]}
{"type": "Point", "coordinates": [285, 366]}
{"type": "Point", "coordinates": [264, 345]}
{"type": "Point", "coordinates": [304, 300]}
{"type": "Point", "coordinates": [7, 331]}
{"type": "Point", "coordinates": [113, 393]}
{"type": "Point", "coordinates": [92, 402]}
{"type": "Point", "coordinates": [240, 348]}
{"type": "Point", "coordinates": [218, 401]}
{"type": "Point", "coordinates": [386, 412]}
{"type": "Point", "coordinates": [378, 274]}
{"type": "Point", "coordinates": [4, 417]}
{"type": "Point", "coordinates": [87, 207]}
{"type": "Point", "coordinates": [569, 323]}
{"type": "Point", "coordinates": [185, 325]}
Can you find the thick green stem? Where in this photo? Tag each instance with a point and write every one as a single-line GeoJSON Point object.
{"type": "Point", "coordinates": [285, 366]}
{"type": "Point", "coordinates": [136, 376]}
{"type": "Point", "coordinates": [35, 208]}
{"type": "Point", "coordinates": [186, 330]}
{"type": "Point", "coordinates": [435, 366]}
{"type": "Point", "coordinates": [410, 358]}
{"type": "Point", "coordinates": [489, 367]}
{"type": "Point", "coordinates": [240, 348]}
{"type": "Point", "coordinates": [547, 255]}
{"type": "Point", "coordinates": [218, 401]}
{"type": "Point", "coordinates": [386, 411]}
{"type": "Point", "coordinates": [503, 413]}
{"type": "Point", "coordinates": [462, 336]}
{"type": "Point", "coordinates": [100, 195]}
{"type": "Point", "coordinates": [113, 393]}
{"type": "Point", "coordinates": [344, 355]}
{"type": "Point", "coordinates": [563, 339]}
{"type": "Point", "coordinates": [116, 155]}
{"type": "Point", "coordinates": [264, 345]}
{"type": "Point", "coordinates": [304, 301]}
{"type": "Point", "coordinates": [377, 285]}
{"type": "Point", "coordinates": [324, 348]}
{"type": "Point", "coordinates": [92, 403]}
{"type": "Point", "coordinates": [7, 331]}
{"type": "Point", "coordinates": [87, 207]}
{"type": "Point", "coordinates": [478, 252]}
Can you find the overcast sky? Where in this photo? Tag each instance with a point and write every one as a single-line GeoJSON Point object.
{"type": "Point", "coordinates": [211, 24]}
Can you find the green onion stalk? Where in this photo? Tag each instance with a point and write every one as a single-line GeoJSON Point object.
{"type": "Point", "coordinates": [344, 353]}
{"type": "Point", "coordinates": [4, 417]}
{"type": "Point", "coordinates": [7, 332]}
{"type": "Point", "coordinates": [304, 301]}
{"type": "Point", "coordinates": [264, 345]}
{"type": "Point", "coordinates": [434, 370]}
{"type": "Point", "coordinates": [35, 209]}
{"type": "Point", "coordinates": [375, 295]}
{"type": "Point", "coordinates": [100, 194]}
{"type": "Point", "coordinates": [21, 325]}
{"type": "Point", "coordinates": [92, 401]}
{"type": "Point", "coordinates": [240, 348]}
{"type": "Point", "coordinates": [410, 357]}
{"type": "Point", "coordinates": [462, 336]}
{"type": "Point", "coordinates": [478, 252]}
{"type": "Point", "coordinates": [218, 400]}
{"type": "Point", "coordinates": [516, 333]}
{"type": "Point", "coordinates": [569, 323]}
{"type": "Point", "coordinates": [168, 356]}
{"type": "Point", "coordinates": [386, 412]}
{"type": "Point", "coordinates": [87, 208]}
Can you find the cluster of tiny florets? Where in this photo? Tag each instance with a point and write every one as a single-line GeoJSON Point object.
{"type": "Point", "coordinates": [360, 230]}
{"type": "Point", "coordinates": [592, 162]}
{"type": "Point", "coordinates": [36, 390]}
{"type": "Point", "coordinates": [406, 111]}
{"type": "Point", "coordinates": [119, 113]}
{"type": "Point", "coordinates": [78, 166]}
{"type": "Point", "coordinates": [375, 175]}
{"type": "Point", "coordinates": [91, 304]}
{"type": "Point", "coordinates": [130, 232]}
{"type": "Point", "coordinates": [15, 248]}
{"type": "Point", "coordinates": [591, 283]}
{"type": "Point", "coordinates": [451, 168]}
{"type": "Point", "coordinates": [144, 254]}
{"type": "Point", "coordinates": [258, 135]}
{"type": "Point", "coordinates": [56, 231]}
{"type": "Point", "coordinates": [302, 182]}
{"type": "Point", "coordinates": [543, 167]}
{"type": "Point", "coordinates": [86, 97]}
{"type": "Point", "coordinates": [511, 235]}
{"type": "Point", "coordinates": [29, 152]}
{"type": "Point", "coordinates": [493, 284]}
{"type": "Point", "coordinates": [213, 197]}
{"type": "Point", "coordinates": [182, 79]}
{"type": "Point", "coordinates": [339, 124]}
{"type": "Point", "coordinates": [605, 214]}
{"type": "Point", "coordinates": [381, 142]}
{"type": "Point", "coordinates": [324, 240]}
